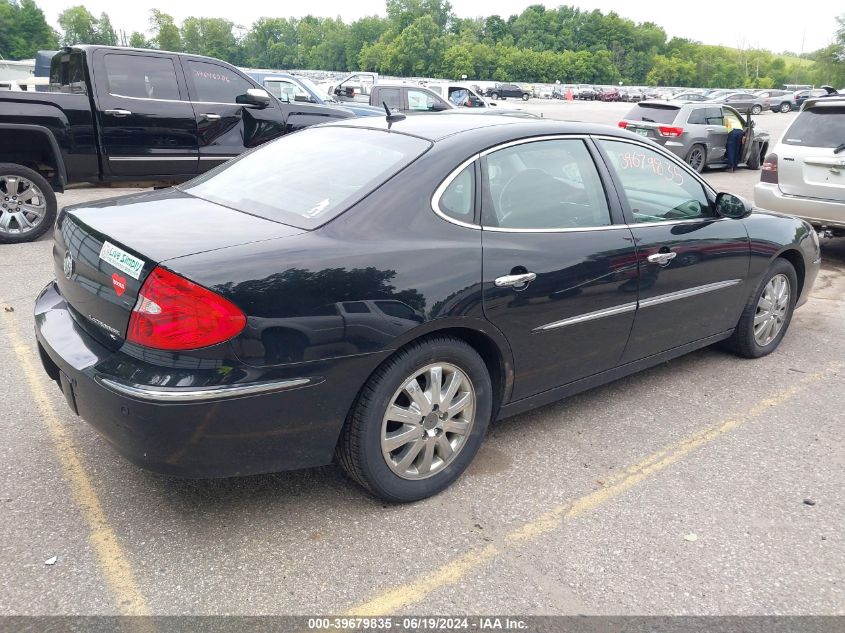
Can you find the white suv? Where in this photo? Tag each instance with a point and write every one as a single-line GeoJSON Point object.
{"type": "Point", "coordinates": [805, 173]}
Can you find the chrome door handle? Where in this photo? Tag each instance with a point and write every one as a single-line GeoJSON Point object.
{"type": "Point", "coordinates": [118, 112]}
{"type": "Point", "coordinates": [211, 117]}
{"type": "Point", "coordinates": [514, 281]}
{"type": "Point", "coordinates": [662, 258]}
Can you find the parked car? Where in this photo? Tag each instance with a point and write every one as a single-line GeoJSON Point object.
{"type": "Point", "coordinates": [435, 336]}
{"type": "Point", "coordinates": [696, 132]}
{"type": "Point", "coordinates": [353, 87]}
{"type": "Point", "coordinates": [776, 100]}
{"type": "Point", "coordinates": [464, 95]}
{"type": "Point", "coordinates": [610, 94]}
{"type": "Point", "coordinates": [634, 95]}
{"type": "Point", "coordinates": [132, 117]}
{"type": "Point", "coordinates": [804, 175]}
{"type": "Point", "coordinates": [802, 95]}
{"type": "Point", "coordinates": [742, 101]}
{"type": "Point", "coordinates": [502, 91]}
{"type": "Point", "coordinates": [586, 93]}
{"type": "Point", "coordinates": [289, 88]}
{"type": "Point", "coordinates": [692, 97]}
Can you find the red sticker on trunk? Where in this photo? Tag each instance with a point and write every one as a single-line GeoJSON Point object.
{"type": "Point", "coordinates": [119, 283]}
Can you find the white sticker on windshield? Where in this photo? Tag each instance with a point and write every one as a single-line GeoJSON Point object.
{"type": "Point", "coordinates": [122, 260]}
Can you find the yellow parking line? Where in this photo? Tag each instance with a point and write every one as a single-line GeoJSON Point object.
{"type": "Point", "coordinates": [110, 555]}
{"type": "Point", "coordinates": [452, 572]}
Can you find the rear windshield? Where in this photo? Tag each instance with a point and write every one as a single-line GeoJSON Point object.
{"type": "Point", "coordinates": [818, 127]}
{"type": "Point", "coordinates": [307, 178]}
{"type": "Point", "coordinates": [653, 113]}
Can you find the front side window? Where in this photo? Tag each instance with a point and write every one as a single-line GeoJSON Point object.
{"type": "Point", "coordinates": [294, 180]}
{"type": "Point", "coordinates": [286, 91]}
{"type": "Point", "coordinates": [544, 185]}
{"type": "Point", "coordinates": [141, 77]}
{"type": "Point", "coordinates": [419, 101]}
{"type": "Point", "coordinates": [732, 121]}
{"type": "Point", "coordinates": [216, 84]}
{"type": "Point", "coordinates": [657, 188]}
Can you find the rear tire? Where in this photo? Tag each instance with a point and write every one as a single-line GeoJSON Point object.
{"type": "Point", "coordinates": [433, 451]}
{"type": "Point", "coordinates": [697, 157]}
{"type": "Point", "coordinates": [748, 340]}
{"type": "Point", "coordinates": [525, 97]}
{"type": "Point", "coordinates": [27, 204]}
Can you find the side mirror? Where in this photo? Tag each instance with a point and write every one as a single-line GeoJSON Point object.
{"type": "Point", "coordinates": [439, 107]}
{"type": "Point", "coordinates": [731, 206]}
{"type": "Point", "coordinates": [255, 97]}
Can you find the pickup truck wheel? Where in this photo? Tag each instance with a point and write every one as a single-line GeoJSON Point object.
{"type": "Point", "coordinates": [494, 96]}
{"type": "Point", "coordinates": [27, 204]}
{"type": "Point", "coordinates": [525, 97]}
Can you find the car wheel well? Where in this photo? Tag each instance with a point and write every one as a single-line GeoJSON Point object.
{"type": "Point", "coordinates": [31, 150]}
{"type": "Point", "coordinates": [795, 258]}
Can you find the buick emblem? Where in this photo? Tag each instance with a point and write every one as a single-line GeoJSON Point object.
{"type": "Point", "coordinates": [68, 265]}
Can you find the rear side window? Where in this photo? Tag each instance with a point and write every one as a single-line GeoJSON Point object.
{"type": "Point", "coordinates": [653, 113]}
{"type": "Point", "coordinates": [141, 77]}
{"type": "Point", "coordinates": [295, 180]}
{"type": "Point", "coordinates": [392, 97]}
{"type": "Point", "coordinates": [67, 73]}
{"type": "Point", "coordinates": [457, 199]}
{"type": "Point", "coordinates": [216, 84]}
{"type": "Point", "coordinates": [818, 127]}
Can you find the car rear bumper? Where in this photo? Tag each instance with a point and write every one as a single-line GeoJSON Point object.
{"type": "Point", "coordinates": [264, 422]}
{"type": "Point", "coordinates": [819, 213]}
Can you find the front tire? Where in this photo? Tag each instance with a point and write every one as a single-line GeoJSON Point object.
{"type": "Point", "coordinates": [757, 109]}
{"type": "Point", "coordinates": [525, 97]}
{"type": "Point", "coordinates": [785, 107]}
{"type": "Point", "coordinates": [418, 421]}
{"type": "Point", "coordinates": [494, 96]}
{"type": "Point", "coordinates": [27, 204]}
{"type": "Point", "coordinates": [755, 160]}
{"type": "Point", "coordinates": [767, 313]}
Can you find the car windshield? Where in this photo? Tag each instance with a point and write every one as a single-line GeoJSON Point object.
{"type": "Point", "coordinates": [310, 86]}
{"type": "Point", "coordinates": [818, 127]}
{"type": "Point", "coordinates": [653, 113]}
{"type": "Point", "coordinates": [307, 178]}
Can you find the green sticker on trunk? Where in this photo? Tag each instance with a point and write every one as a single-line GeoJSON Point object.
{"type": "Point", "coordinates": [122, 260]}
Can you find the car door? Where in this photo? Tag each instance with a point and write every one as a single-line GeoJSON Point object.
{"type": "Point", "coordinates": [692, 264]}
{"type": "Point", "coordinates": [716, 134]}
{"type": "Point", "coordinates": [559, 266]}
{"type": "Point", "coordinates": [147, 125]}
{"type": "Point", "coordinates": [226, 128]}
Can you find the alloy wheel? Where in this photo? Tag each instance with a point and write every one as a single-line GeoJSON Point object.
{"type": "Point", "coordinates": [772, 309]}
{"type": "Point", "coordinates": [428, 421]}
{"type": "Point", "coordinates": [696, 159]}
{"type": "Point", "coordinates": [22, 205]}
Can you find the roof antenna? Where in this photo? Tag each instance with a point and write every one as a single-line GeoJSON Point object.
{"type": "Point", "coordinates": [392, 117]}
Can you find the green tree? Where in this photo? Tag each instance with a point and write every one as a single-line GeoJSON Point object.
{"type": "Point", "coordinates": [23, 30]}
{"type": "Point", "coordinates": [458, 61]}
{"type": "Point", "coordinates": [166, 36]}
{"type": "Point", "coordinates": [137, 40]}
{"type": "Point", "coordinates": [79, 26]}
{"type": "Point", "coordinates": [104, 31]}
{"type": "Point", "coordinates": [209, 36]}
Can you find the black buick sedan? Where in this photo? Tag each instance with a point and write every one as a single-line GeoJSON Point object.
{"type": "Point", "coordinates": [378, 293]}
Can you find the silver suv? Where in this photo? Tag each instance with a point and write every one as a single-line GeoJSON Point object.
{"type": "Point", "coordinates": [695, 131]}
{"type": "Point", "coordinates": [805, 173]}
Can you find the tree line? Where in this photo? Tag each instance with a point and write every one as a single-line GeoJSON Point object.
{"type": "Point", "coordinates": [425, 38]}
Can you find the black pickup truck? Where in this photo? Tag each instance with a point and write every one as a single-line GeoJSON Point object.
{"type": "Point", "coordinates": [123, 117]}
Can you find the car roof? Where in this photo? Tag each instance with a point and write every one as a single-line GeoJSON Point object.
{"type": "Point", "coordinates": [437, 126]}
{"type": "Point", "coordinates": [824, 102]}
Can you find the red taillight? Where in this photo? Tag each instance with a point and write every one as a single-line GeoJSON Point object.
{"type": "Point", "coordinates": [672, 132]}
{"type": "Point", "coordinates": [175, 314]}
{"type": "Point", "coordinates": [623, 124]}
{"type": "Point", "coordinates": [769, 169]}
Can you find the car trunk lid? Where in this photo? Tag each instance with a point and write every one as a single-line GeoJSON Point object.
{"type": "Point", "coordinates": [103, 252]}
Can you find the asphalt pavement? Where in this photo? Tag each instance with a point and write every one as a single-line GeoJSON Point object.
{"type": "Point", "coordinates": [709, 485]}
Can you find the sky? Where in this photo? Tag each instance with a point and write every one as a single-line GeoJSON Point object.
{"type": "Point", "coordinates": [777, 25]}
